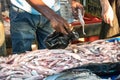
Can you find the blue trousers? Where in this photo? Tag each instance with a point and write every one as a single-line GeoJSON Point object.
{"type": "Point", "coordinates": [25, 28]}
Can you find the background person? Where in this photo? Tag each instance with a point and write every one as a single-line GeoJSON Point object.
{"type": "Point", "coordinates": [111, 17]}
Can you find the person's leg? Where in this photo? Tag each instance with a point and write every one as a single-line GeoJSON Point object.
{"type": "Point", "coordinates": [42, 32]}
{"type": "Point", "coordinates": [22, 34]}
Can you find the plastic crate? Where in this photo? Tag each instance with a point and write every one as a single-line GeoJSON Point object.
{"type": "Point", "coordinates": [114, 39]}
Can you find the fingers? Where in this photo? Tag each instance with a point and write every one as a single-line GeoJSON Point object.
{"type": "Point", "coordinates": [108, 15]}
{"type": "Point", "coordinates": [108, 21]}
{"type": "Point", "coordinates": [75, 7]}
{"type": "Point", "coordinates": [111, 23]}
{"type": "Point", "coordinates": [67, 28]}
{"type": "Point", "coordinates": [70, 27]}
{"type": "Point", "coordinates": [63, 28]}
{"type": "Point", "coordinates": [60, 24]}
{"type": "Point", "coordinates": [75, 13]}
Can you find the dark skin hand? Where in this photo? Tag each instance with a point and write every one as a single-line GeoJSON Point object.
{"type": "Point", "coordinates": [57, 22]}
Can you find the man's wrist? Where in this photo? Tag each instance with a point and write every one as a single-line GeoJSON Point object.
{"type": "Point", "coordinates": [104, 3]}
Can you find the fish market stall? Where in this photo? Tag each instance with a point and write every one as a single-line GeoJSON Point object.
{"type": "Point", "coordinates": [96, 60]}
{"type": "Point", "coordinates": [39, 64]}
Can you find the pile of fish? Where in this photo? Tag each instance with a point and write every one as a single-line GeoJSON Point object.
{"type": "Point", "coordinates": [38, 64]}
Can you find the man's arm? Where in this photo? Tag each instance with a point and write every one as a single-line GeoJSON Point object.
{"type": "Point", "coordinates": [104, 3]}
{"type": "Point", "coordinates": [41, 7]}
{"type": "Point", "coordinates": [107, 12]}
{"type": "Point", "coordinates": [57, 22]}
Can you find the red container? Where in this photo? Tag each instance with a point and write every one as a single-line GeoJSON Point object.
{"type": "Point", "coordinates": [89, 19]}
{"type": "Point", "coordinates": [92, 38]}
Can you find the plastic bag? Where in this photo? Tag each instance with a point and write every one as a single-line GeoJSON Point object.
{"type": "Point", "coordinates": [74, 74]}
{"type": "Point", "coordinates": [102, 69]}
{"type": "Point", "coordinates": [57, 40]}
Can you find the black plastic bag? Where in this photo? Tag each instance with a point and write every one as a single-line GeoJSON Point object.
{"type": "Point", "coordinates": [102, 69]}
{"type": "Point", "coordinates": [74, 74]}
{"type": "Point", "coordinates": [57, 40]}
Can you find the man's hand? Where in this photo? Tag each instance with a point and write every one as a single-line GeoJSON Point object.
{"type": "Point", "coordinates": [60, 24]}
{"type": "Point", "coordinates": [108, 15]}
{"type": "Point", "coordinates": [107, 12]}
{"type": "Point", "coordinates": [75, 6]}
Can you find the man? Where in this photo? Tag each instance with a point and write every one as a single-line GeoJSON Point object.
{"type": "Point", "coordinates": [31, 19]}
{"type": "Point", "coordinates": [111, 17]}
